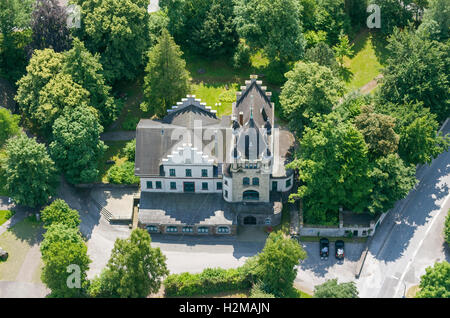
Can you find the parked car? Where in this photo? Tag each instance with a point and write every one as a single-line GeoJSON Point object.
{"type": "Point", "coordinates": [324, 248]}
{"type": "Point", "coordinates": [339, 248]}
{"type": "Point", "coordinates": [3, 254]}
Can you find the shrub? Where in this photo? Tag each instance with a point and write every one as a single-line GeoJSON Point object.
{"type": "Point", "coordinates": [241, 56]}
{"type": "Point", "coordinates": [210, 281]}
{"type": "Point", "coordinates": [123, 174]}
{"type": "Point", "coordinates": [130, 123]}
{"type": "Point", "coordinates": [259, 292]}
{"type": "Point", "coordinates": [130, 150]}
{"type": "Point", "coordinates": [59, 212]}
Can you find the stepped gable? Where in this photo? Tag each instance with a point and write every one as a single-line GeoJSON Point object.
{"type": "Point", "coordinates": [189, 110]}
{"type": "Point", "coordinates": [263, 108]}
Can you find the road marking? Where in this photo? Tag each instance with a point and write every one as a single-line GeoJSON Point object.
{"type": "Point", "coordinates": [420, 244]}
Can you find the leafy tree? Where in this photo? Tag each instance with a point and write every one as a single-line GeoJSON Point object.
{"type": "Point", "coordinates": [436, 282]}
{"type": "Point", "coordinates": [14, 18]}
{"type": "Point", "coordinates": [333, 169]}
{"type": "Point", "coordinates": [76, 145]}
{"type": "Point", "coordinates": [118, 31]}
{"type": "Point", "coordinates": [257, 291]}
{"type": "Point", "coordinates": [271, 25]}
{"type": "Point", "coordinates": [31, 177]}
{"type": "Point", "coordinates": [438, 13]}
{"type": "Point", "coordinates": [217, 35]}
{"type": "Point", "coordinates": [392, 181]}
{"type": "Point", "coordinates": [49, 26]}
{"type": "Point", "coordinates": [43, 66]}
{"type": "Point", "coordinates": [186, 17]}
{"type": "Point", "coordinates": [447, 228]}
{"type": "Point", "coordinates": [343, 48]}
{"type": "Point", "coordinates": [378, 132]}
{"type": "Point", "coordinates": [158, 21]}
{"type": "Point", "coordinates": [323, 55]}
{"type": "Point", "coordinates": [59, 232]}
{"type": "Point", "coordinates": [166, 80]}
{"type": "Point", "coordinates": [57, 259]}
{"type": "Point", "coordinates": [310, 89]}
{"type": "Point", "coordinates": [356, 10]}
{"type": "Point", "coordinates": [419, 143]}
{"type": "Point", "coordinates": [332, 18]}
{"type": "Point", "coordinates": [59, 212]}
{"type": "Point", "coordinates": [134, 270]}
{"type": "Point", "coordinates": [416, 127]}
{"type": "Point", "coordinates": [394, 13]}
{"type": "Point", "coordinates": [9, 125]}
{"type": "Point", "coordinates": [130, 150]}
{"type": "Point", "coordinates": [87, 71]}
{"type": "Point", "coordinates": [417, 70]}
{"type": "Point", "coordinates": [351, 104]}
{"type": "Point", "coordinates": [59, 95]}
{"type": "Point", "coordinates": [332, 289]}
{"type": "Point", "coordinates": [277, 263]}
{"type": "Point", "coordinates": [123, 174]}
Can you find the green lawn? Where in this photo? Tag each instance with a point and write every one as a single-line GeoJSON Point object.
{"type": "Point", "coordinates": [366, 63]}
{"type": "Point", "coordinates": [5, 215]}
{"type": "Point", "coordinates": [115, 153]}
{"type": "Point", "coordinates": [17, 241]}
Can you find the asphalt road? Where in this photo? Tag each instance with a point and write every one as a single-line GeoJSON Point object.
{"type": "Point", "coordinates": [411, 237]}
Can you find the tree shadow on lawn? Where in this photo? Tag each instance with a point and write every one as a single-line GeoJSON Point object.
{"type": "Point", "coordinates": [379, 43]}
{"type": "Point", "coordinates": [28, 230]}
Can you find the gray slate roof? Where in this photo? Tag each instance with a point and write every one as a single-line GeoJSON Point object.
{"type": "Point", "coordinates": [185, 209]}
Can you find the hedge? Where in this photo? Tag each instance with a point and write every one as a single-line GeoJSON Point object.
{"type": "Point", "coordinates": [210, 281]}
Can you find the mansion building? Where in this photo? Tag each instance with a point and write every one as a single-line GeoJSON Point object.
{"type": "Point", "coordinates": [200, 174]}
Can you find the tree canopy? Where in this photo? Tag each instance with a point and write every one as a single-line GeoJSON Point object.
{"type": "Point", "coordinates": [272, 25]}
{"type": "Point", "coordinates": [417, 70]}
{"type": "Point", "coordinates": [310, 90]}
{"type": "Point", "coordinates": [31, 175]}
{"type": "Point", "coordinates": [276, 264]}
{"type": "Point", "coordinates": [9, 125]}
{"type": "Point", "coordinates": [134, 270]}
{"type": "Point", "coordinates": [60, 232]}
{"type": "Point", "coordinates": [333, 168]}
{"type": "Point", "coordinates": [166, 80]}
{"type": "Point", "coordinates": [59, 212]}
{"type": "Point", "coordinates": [118, 31]}
{"type": "Point", "coordinates": [49, 26]}
{"type": "Point", "coordinates": [76, 144]}
{"type": "Point", "coordinates": [436, 281]}
{"type": "Point", "coordinates": [332, 289]}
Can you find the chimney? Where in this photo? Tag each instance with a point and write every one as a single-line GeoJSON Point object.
{"type": "Point", "coordinates": [241, 118]}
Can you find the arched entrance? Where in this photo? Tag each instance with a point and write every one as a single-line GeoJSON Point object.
{"type": "Point", "coordinates": [251, 195]}
{"type": "Point", "coordinates": [249, 220]}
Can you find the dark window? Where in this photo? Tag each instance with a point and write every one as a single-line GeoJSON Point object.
{"type": "Point", "coordinates": [188, 173]}
{"type": "Point", "coordinates": [158, 185]}
{"type": "Point", "coordinates": [149, 185]}
{"type": "Point", "coordinates": [226, 194]}
{"type": "Point", "coordinates": [219, 185]}
{"type": "Point", "coordinates": [226, 182]}
{"type": "Point", "coordinates": [255, 181]}
{"type": "Point", "coordinates": [288, 183]}
{"type": "Point", "coordinates": [223, 229]}
{"type": "Point", "coordinates": [172, 172]}
{"type": "Point", "coordinates": [204, 172]}
{"type": "Point", "coordinates": [246, 181]}
{"type": "Point", "coordinates": [204, 185]}
{"type": "Point", "coordinates": [173, 186]}
{"type": "Point", "coordinates": [202, 229]}
{"type": "Point", "coordinates": [152, 228]}
{"type": "Point", "coordinates": [274, 186]}
{"type": "Point", "coordinates": [251, 195]}
{"type": "Point", "coordinates": [187, 229]}
{"type": "Point", "coordinates": [172, 229]}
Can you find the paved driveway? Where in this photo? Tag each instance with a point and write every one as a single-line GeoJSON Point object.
{"type": "Point", "coordinates": [315, 271]}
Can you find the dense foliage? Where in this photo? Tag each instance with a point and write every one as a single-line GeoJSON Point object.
{"type": "Point", "coordinates": [135, 269]}
{"type": "Point", "coordinates": [166, 80]}
{"type": "Point", "coordinates": [436, 282]}
{"type": "Point", "coordinates": [332, 289]}
{"type": "Point", "coordinates": [310, 90]}
{"type": "Point", "coordinates": [76, 144]}
{"type": "Point", "coordinates": [59, 232]}
{"type": "Point", "coordinates": [118, 31]}
{"type": "Point", "coordinates": [49, 26]}
{"type": "Point", "coordinates": [9, 125]}
{"type": "Point", "coordinates": [59, 212]}
{"type": "Point", "coordinates": [447, 228]}
{"type": "Point", "coordinates": [31, 175]}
